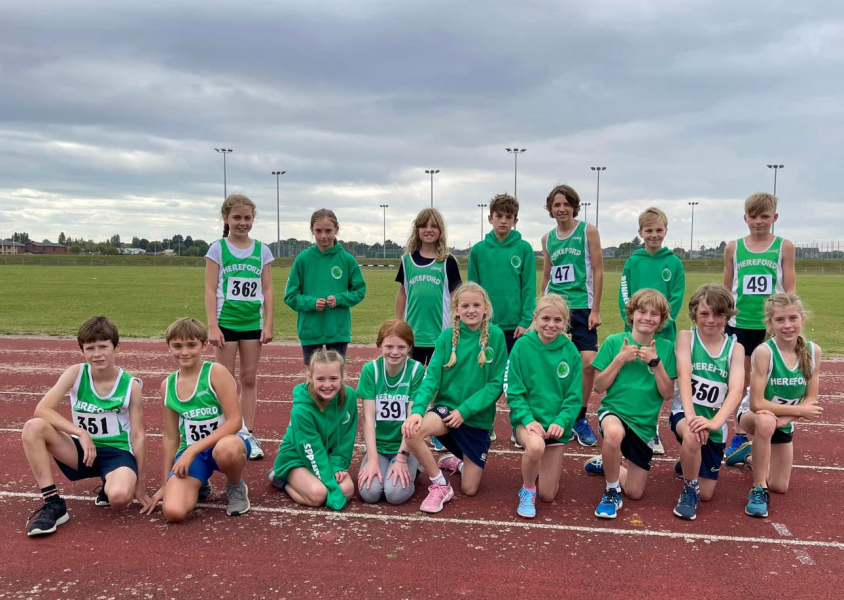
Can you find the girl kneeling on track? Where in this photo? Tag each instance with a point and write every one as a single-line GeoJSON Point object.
{"type": "Point", "coordinates": [783, 388]}
{"type": "Point", "coordinates": [387, 387]}
{"type": "Point", "coordinates": [637, 372]}
{"type": "Point", "coordinates": [710, 378]}
{"type": "Point", "coordinates": [543, 385]}
{"type": "Point", "coordinates": [465, 376]}
{"type": "Point", "coordinates": [314, 457]}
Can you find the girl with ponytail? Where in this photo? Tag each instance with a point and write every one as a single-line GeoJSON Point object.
{"type": "Point", "coordinates": [464, 379]}
{"type": "Point", "coordinates": [783, 388]}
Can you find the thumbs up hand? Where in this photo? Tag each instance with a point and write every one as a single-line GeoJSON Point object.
{"type": "Point", "coordinates": [628, 352]}
{"type": "Point", "coordinates": [648, 353]}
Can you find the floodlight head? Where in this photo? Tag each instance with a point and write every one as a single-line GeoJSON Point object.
{"type": "Point", "coordinates": [508, 149]}
{"type": "Point", "coordinates": [770, 166]}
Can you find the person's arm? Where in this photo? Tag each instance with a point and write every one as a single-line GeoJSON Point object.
{"type": "Point", "coordinates": [515, 390]}
{"type": "Point", "coordinates": [401, 303]}
{"type": "Point", "coordinates": [169, 447]}
{"type": "Point", "coordinates": [46, 409]}
{"type": "Point", "coordinates": [573, 395]}
{"type": "Point", "coordinates": [729, 265]}
{"type": "Point", "coordinates": [472, 272]}
{"type": "Point", "coordinates": [624, 291]}
{"type": "Point", "coordinates": [546, 265]}
{"type": "Point", "coordinates": [453, 270]}
{"type": "Point", "coordinates": [664, 378]}
{"type": "Point", "coordinates": [341, 455]}
{"type": "Point", "coordinates": [433, 374]}
{"type": "Point", "coordinates": [212, 278]}
{"type": "Point", "coordinates": [356, 285]}
{"type": "Point", "coordinates": [608, 368]}
{"type": "Point", "coordinates": [735, 388]}
{"type": "Point", "coordinates": [677, 290]}
{"type": "Point", "coordinates": [269, 303]}
{"type": "Point", "coordinates": [293, 296]}
{"type": "Point", "coordinates": [528, 291]}
{"type": "Point", "coordinates": [789, 275]}
{"type": "Point", "coordinates": [314, 456]}
{"type": "Point", "coordinates": [684, 372]}
{"type": "Point", "coordinates": [138, 439]}
{"type": "Point", "coordinates": [596, 255]}
{"type": "Point", "coordinates": [758, 381]}
{"type": "Point", "coordinates": [491, 391]}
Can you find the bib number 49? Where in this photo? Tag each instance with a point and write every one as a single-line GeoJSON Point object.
{"type": "Point", "coordinates": [758, 285]}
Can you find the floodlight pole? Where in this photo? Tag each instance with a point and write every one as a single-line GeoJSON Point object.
{"type": "Point", "coordinates": [431, 172]}
{"type": "Point", "coordinates": [598, 193]}
{"type": "Point", "coordinates": [277, 213]}
{"type": "Point", "coordinates": [482, 207]}
{"type": "Point", "coordinates": [586, 206]}
{"type": "Point", "coordinates": [775, 168]}
{"type": "Point", "coordinates": [385, 207]}
{"type": "Point", "coordinates": [692, 236]}
{"type": "Point", "coordinates": [224, 151]}
{"type": "Point", "coordinates": [515, 152]}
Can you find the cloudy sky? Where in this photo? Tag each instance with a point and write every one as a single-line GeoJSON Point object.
{"type": "Point", "coordinates": [110, 113]}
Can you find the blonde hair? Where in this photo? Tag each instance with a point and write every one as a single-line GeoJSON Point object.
{"type": "Point", "coordinates": [327, 357]}
{"type": "Point", "coordinates": [804, 354]}
{"type": "Point", "coordinates": [421, 220]}
{"type": "Point", "coordinates": [650, 215]}
{"type": "Point", "coordinates": [186, 328]}
{"type": "Point", "coordinates": [504, 204]}
{"type": "Point", "coordinates": [759, 203]}
{"type": "Point", "coordinates": [648, 297]}
{"type": "Point", "coordinates": [469, 286]}
{"type": "Point", "coordinates": [229, 203]}
{"type": "Point", "coordinates": [551, 301]}
{"type": "Point", "coordinates": [568, 193]}
{"type": "Point", "coordinates": [324, 213]}
{"type": "Point", "coordinates": [717, 297]}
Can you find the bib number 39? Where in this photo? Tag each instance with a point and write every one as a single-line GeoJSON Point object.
{"type": "Point", "coordinates": [757, 285]}
{"type": "Point", "coordinates": [390, 410]}
{"type": "Point", "coordinates": [562, 274]}
{"type": "Point", "coordinates": [242, 288]}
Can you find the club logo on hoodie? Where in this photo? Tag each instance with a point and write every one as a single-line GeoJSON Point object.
{"type": "Point", "coordinates": [666, 274]}
{"type": "Point", "coordinates": [337, 272]}
{"type": "Point", "coordinates": [515, 261]}
{"type": "Point", "coordinates": [563, 369]}
{"type": "Point", "coordinates": [489, 354]}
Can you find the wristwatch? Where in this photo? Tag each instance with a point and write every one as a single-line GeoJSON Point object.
{"type": "Point", "coordinates": [654, 362]}
{"type": "Point", "coordinates": [405, 452]}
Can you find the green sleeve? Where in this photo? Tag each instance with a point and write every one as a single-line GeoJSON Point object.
{"type": "Point", "coordinates": [416, 382]}
{"type": "Point", "coordinates": [341, 455]}
{"type": "Point", "coordinates": [366, 383]}
{"type": "Point", "coordinates": [528, 287]}
{"type": "Point", "coordinates": [606, 354]}
{"type": "Point", "coordinates": [293, 296]}
{"type": "Point", "coordinates": [491, 391]}
{"type": "Point", "coordinates": [357, 286]}
{"type": "Point", "coordinates": [473, 273]}
{"type": "Point", "coordinates": [624, 291]}
{"type": "Point", "coordinates": [433, 374]}
{"type": "Point", "coordinates": [515, 390]}
{"type": "Point", "coordinates": [573, 396]}
{"type": "Point", "coordinates": [669, 360]}
{"type": "Point", "coordinates": [313, 454]}
{"type": "Point", "coordinates": [678, 290]}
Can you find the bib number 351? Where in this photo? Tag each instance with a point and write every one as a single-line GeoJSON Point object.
{"type": "Point", "coordinates": [97, 425]}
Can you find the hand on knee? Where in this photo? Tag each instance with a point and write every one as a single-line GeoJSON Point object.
{"type": "Point", "coordinates": [535, 449]}
{"type": "Point", "coordinates": [691, 442]}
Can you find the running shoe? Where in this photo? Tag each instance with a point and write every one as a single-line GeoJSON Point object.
{"type": "Point", "coordinates": [438, 495]}
{"type": "Point", "coordinates": [527, 503]}
{"type": "Point", "coordinates": [738, 440]}
{"type": "Point", "coordinates": [610, 504]}
{"type": "Point", "coordinates": [656, 446]}
{"type": "Point", "coordinates": [595, 465]}
{"type": "Point", "coordinates": [238, 495]}
{"type": "Point", "coordinates": [449, 462]}
{"type": "Point", "coordinates": [206, 490]}
{"type": "Point", "coordinates": [255, 452]}
{"type": "Point", "coordinates": [757, 503]}
{"type": "Point", "coordinates": [740, 454]}
{"type": "Point", "coordinates": [688, 503]}
{"type": "Point", "coordinates": [584, 433]}
{"type": "Point", "coordinates": [516, 441]}
{"type": "Point", "coordinates": [101, 499]}
{"type": "Point", "coordinates": [492, 436]}
{"type": "Point", "coordinates": [48, 517]}
{"type": "Point", "coordinates": [435, 444]}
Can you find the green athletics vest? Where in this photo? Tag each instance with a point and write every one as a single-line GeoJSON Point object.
{"type": "Point", "coordinates": [201, 414]}
{"type": "Point", "coordinates": [756, 275]}
{"type": "Point", "coordinates": [571, 267]}
{"type": "Point", "coordinates": [710, 381]}
{"type": "Point", "coordinates": [106, 419]}
{"type": "Point", "coordinates": [427, 306]}
{"type": "Point", "coordinates": [240, 284]}
{"type": "Point", "coordinates": [784, 385]}
{"type": "Point", "coordinates": [392, 395]}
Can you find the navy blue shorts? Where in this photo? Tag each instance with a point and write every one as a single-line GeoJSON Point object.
{"type": "Point", "coordinates": [749, 338]}
{"type": "Point", "coordinates": [230, 335]}
{"type": "Point", "coordinates": [632, 446]}
{"type": "Point", "coordinates": [711, 454]}
{"type": "Point", "coordinates": [585, 339]}
{"type": "Point", "coordinates": [108, 459]}
{"type": "Point", "coordinates": [464, 441]}
{"type": "Point", "coordinates": [309, 350]}
{"type": "Point", "coordinates": [204, 465]}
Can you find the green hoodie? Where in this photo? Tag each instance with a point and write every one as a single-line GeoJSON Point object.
{"type": "Point", "coordinates": [314, 275]}
{"type": "Point", "coordinates": [466, 387]}
{"type": "Point", "coordinates": [507, 271]}
{"type": "Point", "coordinates": [661, 271]}
{"type": "Point", "coordinates": [320, 441]}
{"type": "Point", "coordinates": [544, 382]}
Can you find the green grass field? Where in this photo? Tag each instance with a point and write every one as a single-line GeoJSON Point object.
{"type": "Point", "coordinates": [55, 300]}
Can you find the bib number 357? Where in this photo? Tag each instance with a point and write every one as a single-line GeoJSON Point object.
{"type": "Point", "coordinates": [241, 288]}
{"type": "Point", "coordinates": [199, 430]}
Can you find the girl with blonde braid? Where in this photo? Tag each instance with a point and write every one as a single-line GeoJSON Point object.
{"type": "Point", "coordinates": [466, 376]}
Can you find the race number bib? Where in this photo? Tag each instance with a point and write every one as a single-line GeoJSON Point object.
{"type": "Point", "coordinates": [786, 401]}
{"type": "Point", "coordinates": [97, 425]}
{"type": "Point", "coordinates": [562, 274]}
{"type": "Point", "coordinates": [707, 393]}
{"type": "Point", "coordinates": [199, 430]}
{"type": "Point", "coordinates": [243, 288]}
{"type": "Point", "coordinates": [388, 409]}
{"type": "Point", "coordinates": [757, 285]}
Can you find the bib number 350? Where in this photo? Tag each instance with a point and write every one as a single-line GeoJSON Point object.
{"type": "Point", "coordinates": [708, 393]}
{"type": "Point", "coordinates": [241, 288]}
{"type": "Point", "coordinates": [757, 285]}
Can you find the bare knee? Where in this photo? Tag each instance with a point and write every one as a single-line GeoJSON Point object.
{"type": "Point", "coordinates": [778, 487]}
{"type": "Point", "coordinates": [534, 450]}
{"type": "Point", "coordinates": [634, 494]}
{"type": "Point", "coordinates": [765, 426]}
{"type": "Point", "coordinates": [120, 498]}
{"type": "Point", "coordinates": [34, 429]}
{"type": "Point", "coordinates": [316, 495]}
{"type": "Point", "coordinates": [613, 437]}
{"type": "Point", "coordinates": [248, 377]}
{"type": "Point", "coordinates": [173, 514]}
{"type": "Point", "coordinates": [470, 489]}
{"type": "Point", "coordinates": [706, 495]}
{"type": "Point", "coordinates": [690, 442]}
{"type": "Point", "coordinates": [547, 496]}
{"type": "Point", "coordinates": [228, 451]}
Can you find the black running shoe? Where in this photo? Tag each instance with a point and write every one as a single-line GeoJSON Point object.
{"type": "Point", "coordinates": [48, 517]}
{"type": "Point", "coordinates": [102, 499]}
{"type": "Point", "coordinates": [206, 490]}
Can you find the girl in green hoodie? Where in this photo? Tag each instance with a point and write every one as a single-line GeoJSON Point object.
{"type": "Point", "coordinates": [314, 457]}
{"type": "Point", "coordinates": [543, 385]}
{"type": "Point", "coordinates": [325, 282]}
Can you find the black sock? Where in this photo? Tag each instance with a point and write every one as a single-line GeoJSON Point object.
{"type": "Point", "coordinates": [582, 413]}
{"type": "Point", "coordinates": [48, 491]}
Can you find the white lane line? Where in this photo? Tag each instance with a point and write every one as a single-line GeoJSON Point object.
{"type": "Point", "coordinates": [804, 557]}
{"type": "Point", "coordinates": [417, 518]}
{"type": "Point", "coordinates": [782, 529]}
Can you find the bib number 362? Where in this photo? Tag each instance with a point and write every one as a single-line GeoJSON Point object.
{"type": "Point", "coordinates": [757, 285]}
{"type": "Point", "coordinates": [242, 288]}
{"type": "Point", "coordinates": [562, 274]}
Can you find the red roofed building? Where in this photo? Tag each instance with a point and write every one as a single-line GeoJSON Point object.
{"type": "Point", "coordinates": [45, 247]}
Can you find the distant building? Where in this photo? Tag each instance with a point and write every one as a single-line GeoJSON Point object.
{"type": "Point", "coordinates": [609, 252]}
{"type": "Point", "coordinates": [132, 251]}
{"type": "Point", "coordinates": [10, 247]}
{"type": "Point", "coordinates": [45, 247]}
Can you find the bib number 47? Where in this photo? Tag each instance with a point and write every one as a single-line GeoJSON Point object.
{"type": "Point", "coordinates": [562, 274]}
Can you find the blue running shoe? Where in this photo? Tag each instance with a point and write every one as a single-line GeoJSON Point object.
{"type": "Point", "coordinates": [527, 504]}
{"type": "Point", "coordinates": [610, 504]}
{"type": "Point", "coordinates": [740, 454]}
{"type": "Point", "coordinates": [584, 433]}
{"type": "Point", "coordinates": [595, 465]}
{"type": "Point", "coordinates": [757, 504]}
{"type": "Point", "coordinates": [688, 503]}
{"type": "Point", "coordinates": [436, 444]}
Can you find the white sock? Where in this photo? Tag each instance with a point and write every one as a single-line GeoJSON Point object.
{"type": "Point", "coordinates": [439, 479]}
{"type": "Point", "coordinates": [613, 485]}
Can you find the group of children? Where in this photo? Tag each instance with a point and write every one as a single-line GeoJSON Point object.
{"type": "Point", "coordinates": [445, 360]}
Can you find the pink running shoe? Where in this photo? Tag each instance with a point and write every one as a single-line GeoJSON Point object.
{"type": "Point", "coordinates": [437, 496]}
{"type": "Point", "coordinates": [449, 462]}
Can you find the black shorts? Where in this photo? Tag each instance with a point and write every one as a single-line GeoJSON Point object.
{"type": "Point", "coordinates": [422, 354]}
{"type": "Point", "coordinates": [632, 446]}
{"type": "Point", "coordinates": [509, 338]}
{"type": "Point", "coordinates": [230, 335]}
{"type": "Point", "coordinates": [108, 459]}
{"type": "Point", "coordinates": [585, 339]}
{"type": "Point", "coordinates": [749, 338]}
{"type": "Point", "coordinates": [779, 437]}
{"type": "Point", "coordinates": [711, 454]}
{"type": "Point", "coordinates": [468, 441]}
{"type": "Point", "coordinates": [308, 350]}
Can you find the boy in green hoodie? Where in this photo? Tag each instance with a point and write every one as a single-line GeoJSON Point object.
{"type": "Point", "coordinates": [312, 465]}
{"type": "Point", "coordinates": [325, 282]}
{"type": "Point", "coordinates": [505, 266]}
